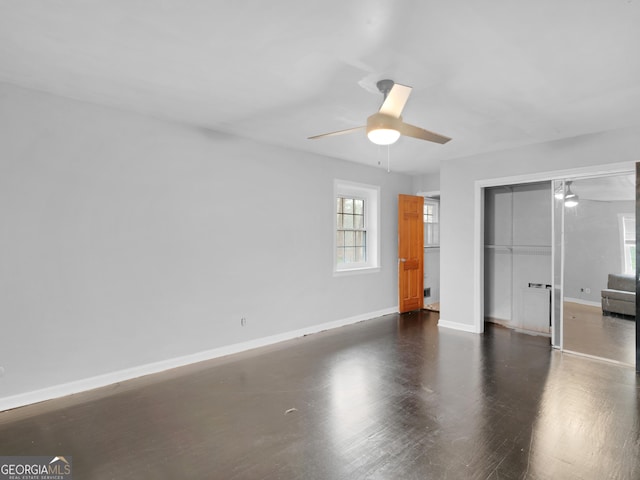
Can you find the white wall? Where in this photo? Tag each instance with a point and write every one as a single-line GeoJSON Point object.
{"type": "Point", "coordinates": [593, 246]}
{"type": "Point", "coordinates": [460, 305]}
{"type": "Point", "coordinates": [429, 182]}
{"type": "Point", "coordinates": [128, 240]}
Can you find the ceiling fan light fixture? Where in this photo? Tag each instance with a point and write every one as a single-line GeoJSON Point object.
{"type": "Point", "coordinates": [570, 199]}
{"type": "Point", "coordinates": [383, 136]}
{"type": "Point", "coordinates": [383, 129]}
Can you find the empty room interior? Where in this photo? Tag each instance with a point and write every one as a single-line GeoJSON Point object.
{"type": "Point", "coordinates": [336, 240]}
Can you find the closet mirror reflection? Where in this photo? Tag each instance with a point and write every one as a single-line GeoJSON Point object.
{"type": "Point", "coordinates": [598, 278]}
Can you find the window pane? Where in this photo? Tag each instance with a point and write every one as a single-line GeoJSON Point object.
{"type": "Point", "coordinates": [432, 234]}
{"type": "Point", "coordinates": [347, 221]}
{"type": "Point", "coordinates": [358, 221]}
{"type": "Point", "coordinates": [349, 239]}
{"type": "Point", "coordinates": [359, 241]}
{"type": "Point", "coordinates": [348, 205]}
{"type": "Point", "coordinates": [339, 205]}
{"type": "Point", "coordinates": [358, 207]}
{"type": "Point", "coordinates": [629, 228]}
{"type": "Point", "coordinates": [360, 254]}
{"type": "Point", "coordinates": [349, 255]}
{"type": "Point", "coordinates": [339, 221]}
{"type": "Point", "coordinates": [340, 239]}
{"type": "Point", "coordinates": [340, 255]}
{"type": "Point", "coordinates": [430, 213]}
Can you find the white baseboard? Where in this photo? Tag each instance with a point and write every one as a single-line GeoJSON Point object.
{"type": "Point", "coordinates": [580, 301]}
{"type": "Point", "coordinates": [600, 359]}
{"type": "Point", "coordinates": [464, 327]}
{"type": "Point", "coordinates": [83, 385]}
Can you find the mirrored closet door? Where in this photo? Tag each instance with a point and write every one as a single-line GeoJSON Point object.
{"type": "Point", "coordinates": [596, 220]}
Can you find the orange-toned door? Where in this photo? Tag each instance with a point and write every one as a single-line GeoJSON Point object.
{"type": "Point", "coordinates": [410, 252]}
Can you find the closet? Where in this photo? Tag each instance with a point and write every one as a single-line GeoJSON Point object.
{"type": "Point", "coordinates": [517, 256]}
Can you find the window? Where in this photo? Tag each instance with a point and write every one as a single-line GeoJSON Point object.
{"type": "Point", "coordinates": [431, 223]}
{"type": "Point", "coordinates": [351, 240]}
{"type": "Point", "coordinates": [356, 227]}
{"type": "Point", "coordinates": [628, 234]}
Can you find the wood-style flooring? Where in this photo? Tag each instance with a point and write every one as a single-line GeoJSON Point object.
{"type": "Point", "coordinates": [391, 398]}
{"type": "Point", "coordinates": [434, 307]}
{"type": "Point", "coordinates": [589, 332]}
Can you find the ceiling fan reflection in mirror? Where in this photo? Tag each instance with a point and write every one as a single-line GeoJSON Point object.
{"type": "Point", "coordinates": [385, 126]}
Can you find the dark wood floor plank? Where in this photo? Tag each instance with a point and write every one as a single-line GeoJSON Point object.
{"type": "Point", "coordinates": [391, 398]}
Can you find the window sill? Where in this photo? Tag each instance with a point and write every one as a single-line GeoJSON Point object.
{"type": "Point", "coordinates": [355, 271]}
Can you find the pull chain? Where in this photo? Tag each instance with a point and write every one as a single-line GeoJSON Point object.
{"type": "Point", "coordinates": [388, 159]}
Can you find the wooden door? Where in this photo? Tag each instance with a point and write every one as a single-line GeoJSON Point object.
{"type": "Point", "coordinates": [410, 252]}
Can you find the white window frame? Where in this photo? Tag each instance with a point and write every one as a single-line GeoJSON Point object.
{"type": "Point", "coordinates": [435, 224]}
{"type": "Point", "coordinates": [627, 261]}
{"type": "Point", "coordinates": [371, 196]}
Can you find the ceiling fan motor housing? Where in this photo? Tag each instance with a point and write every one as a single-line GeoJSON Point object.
{"type": "Point", "coordinates": [385, 87]}
{"type": "Point", "coordinates": [379, 121]}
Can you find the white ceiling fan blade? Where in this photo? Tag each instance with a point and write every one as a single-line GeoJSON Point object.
{"type": "Point", "coordinates": [422, 134]}
{"type": "Point", "coordinates": [396, 100]}
{"type": "Point", "coordinates": [339, 132]}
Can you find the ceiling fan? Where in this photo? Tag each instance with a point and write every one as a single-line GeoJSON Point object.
{"type": "Point", "coordinates": [386, 126]}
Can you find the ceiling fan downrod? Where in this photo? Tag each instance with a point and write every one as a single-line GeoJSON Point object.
{"type": "Point", "coordinates": [385, 87]}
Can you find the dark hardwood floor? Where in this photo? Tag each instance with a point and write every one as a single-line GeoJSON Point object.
{"type": "Point", "coordinates": [391, 398]}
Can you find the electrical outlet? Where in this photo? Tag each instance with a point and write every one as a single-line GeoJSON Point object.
{"type": "Point", "coordinates": [587, 290]}
{"type": "Point", "coordinates": [243, 321]}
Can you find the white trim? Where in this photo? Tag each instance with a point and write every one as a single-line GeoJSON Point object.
{"type": "Point", "coordinates": [463, 327]}
{"type": "Point", "coordinates": [554, 253]}
{"type": "Point", "coordinates": [600, 359]}
{"type": "Point", "coordinates": [574, 173]}
{"type": "Point", "coordinates": [356, 271]}
{"type": "Point", "coordinates": [479, 185]}
{"type": "Point", "coordinates": [433, 195]}
{"type": "Point", "coordinates": [563, 255]}
{"type": "Point", "coordinates": [78, 386]}
{"type": "Point", "coordinates": [478, 259]}
{"type": "Point", "coordinates": [580, 301]}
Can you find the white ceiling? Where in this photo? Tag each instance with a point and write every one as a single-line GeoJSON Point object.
{"type": "Point", "coordinates": [608, 188]}
{"type": "Point", "coordinates": [492, 74]}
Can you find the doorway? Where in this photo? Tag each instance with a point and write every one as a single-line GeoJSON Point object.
{"type": "Point", "coordinates": [431, 219]}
